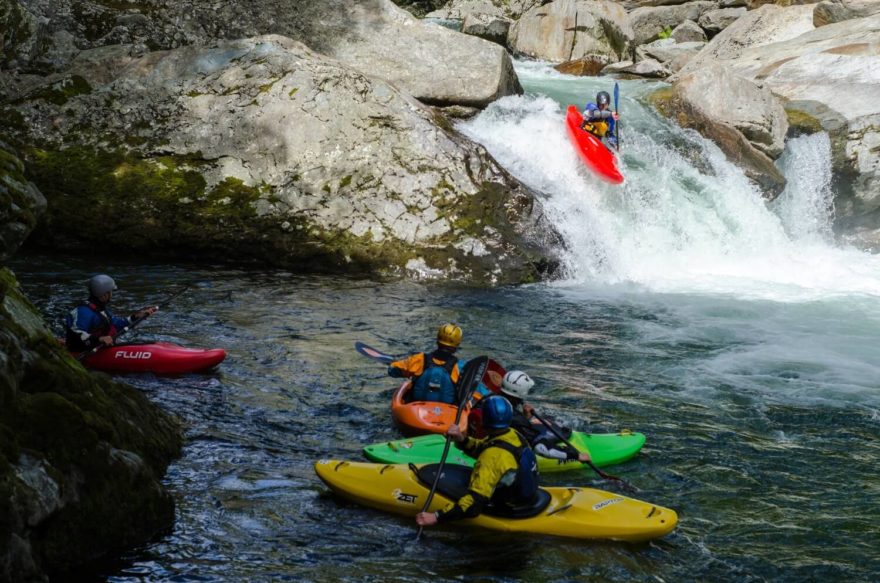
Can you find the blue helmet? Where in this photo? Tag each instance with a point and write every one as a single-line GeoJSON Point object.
{"type": "Point", "coordinates": [497, 412]}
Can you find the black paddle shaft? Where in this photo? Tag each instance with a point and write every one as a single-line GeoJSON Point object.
{"type": "Point", "coordinates": [164, 303]}
{"type": "Point", "coordinates": [602, 474]}
{"type": "Point", "coordinates": [473, 373]}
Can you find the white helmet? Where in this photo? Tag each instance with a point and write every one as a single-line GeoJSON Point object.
{"type": "Point", "coordinates": [517, 384]}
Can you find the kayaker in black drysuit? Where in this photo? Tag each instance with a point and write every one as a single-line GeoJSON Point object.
{"type": "Point", "coordinates": [516, 386]}
{"type": "Point", "coordinates": [92, 323]}
{"type": "Point", "coordinates": [435, 381]}
{"type": "Point", "coordinates": [599, 120]}
{"type": "Point", "coordinates": [506, 471]}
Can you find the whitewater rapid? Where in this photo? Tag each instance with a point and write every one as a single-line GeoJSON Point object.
{"type": "Point", "coordinates": [686, 220]}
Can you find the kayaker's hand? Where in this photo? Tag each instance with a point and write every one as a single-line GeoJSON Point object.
{"type": "Point", "coordinates": [528, 410]}
{"type": "Point", "coordinates": [426, 518]}
{"type": "Point", "coordinates": [454, 432]}
{"type": "Point", "coordinates": [615, 115]}
{"type": "Point", "coordinates": [584, 457]}
{"type": "Point", "coordinates": [140, 315]}
{"type": "Point", "coordinates": [106, 340]}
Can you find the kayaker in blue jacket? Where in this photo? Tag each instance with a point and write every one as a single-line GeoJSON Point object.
{"type": "Point", "coordinates": [92, 323]}
{"type": "Point", "coordinates": [506, 471]}
{"type": "Point", "coordinates": [599, 120]}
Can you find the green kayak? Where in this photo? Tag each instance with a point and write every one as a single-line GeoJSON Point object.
{"type": "Point", "coordinates": [604, 448]}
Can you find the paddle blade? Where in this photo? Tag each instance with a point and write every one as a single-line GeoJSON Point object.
{"type": "Point", "coordinates": [494, 376]}
{"type": "Point", "coordinates": [373, 353]}
{"type": "Point", "coordinates": [616, 95]}
{"type": "Point", "coordinates": [473, 372]}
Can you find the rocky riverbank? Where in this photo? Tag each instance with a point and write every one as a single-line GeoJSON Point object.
{"type": "Point", "coordinates": [81, 456]}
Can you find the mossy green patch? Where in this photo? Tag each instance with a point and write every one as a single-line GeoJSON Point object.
{"type": "Point", "coordinates": [61, 91]}
{"type": "Point", "coordinates": [661, 99]}
{"type": "Point", "coordinates": [800, 122]}
{"type": "Point", "coordinates": [345, 181]}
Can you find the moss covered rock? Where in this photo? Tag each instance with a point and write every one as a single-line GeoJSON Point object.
{"type": "Point", "coordinates": [81, 456]}
{"type": "Point", "coordinates": [261, 150]}
{"type": "Point", "coordinates": [20, 202]}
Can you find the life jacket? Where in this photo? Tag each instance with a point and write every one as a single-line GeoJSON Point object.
{"type": "Point", "coordinates": [597, 127]}
{"type": "Point", "coordinates": [525, 485]}
{"type": "Point", "coordinates": [435, 382]}
{"type": "Point", "coordinates": [105, 328]}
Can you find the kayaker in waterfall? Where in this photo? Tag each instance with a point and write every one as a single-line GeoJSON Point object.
{"type": "Point", "coordinates": [436, 380]}
{"type": "Point", "coordinates": [92, 323]}
{"type": "Point", "coordinates": [506, 471]}
{"type": "Point", "coordinates": [516, 386]}
{"type": "Point", "coordinates": [599, 120]}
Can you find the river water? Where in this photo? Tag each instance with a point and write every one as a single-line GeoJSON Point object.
{"type": "Point", "coordinates": [733, 333]}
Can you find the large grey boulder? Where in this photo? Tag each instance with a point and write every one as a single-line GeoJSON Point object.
{"type": "Point", "coordinates": [567, 30]}
{"type": "Point", "coordinates": [647, 68]}
{"type": "Point", "coordinates": [22, 35]}
{"type": "Point", "coordinates": [748, 123]}
{"type": "Point", "coordinates": [832, 75]}
{"type": "Point", "coordinates": [432, 63]}
{"type": "Point", "coordinates": [488, 27]}
{"type": "Point", "coordinates": [766, 25]}
{"type": "Point", "coordinates": [831, 11]}
{"type": "Point", "coordinates": [715, 21]}
{"type": "Point", "coordinates": [460, 9]}
{"type": "Point", "coordinates": [666, 50]}
{"type": "Point", "coordinates": [689, 31]}
{"type": "Point", "coordinates": [649, 21]}
{"type": "Point", "coordinates": [262, 149]}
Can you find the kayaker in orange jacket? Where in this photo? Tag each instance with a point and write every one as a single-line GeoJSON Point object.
{"type": "Point", "coordinates": [436, 374]}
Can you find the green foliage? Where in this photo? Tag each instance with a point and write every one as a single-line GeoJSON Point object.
{"type": "Point", "coordinates": [665, 33]}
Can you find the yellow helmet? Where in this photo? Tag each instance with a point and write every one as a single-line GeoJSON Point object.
{"type": "Point", "coordinates": [449, 335]}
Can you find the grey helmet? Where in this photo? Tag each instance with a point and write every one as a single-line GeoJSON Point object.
{"type": "Point", "coordinates": [517, 384]}
{"type": "Point", "coordinates": [101, 284]}
{"type": "Point", "coordinates": [602, 98]}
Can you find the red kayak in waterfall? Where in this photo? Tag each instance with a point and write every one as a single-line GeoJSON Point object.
{"type": "Point", "coordinates": [157, 358]}
{"type": "Point", "coordinates": [591, 150]}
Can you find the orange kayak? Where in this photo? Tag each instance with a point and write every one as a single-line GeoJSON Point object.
{"type": "Point", "coordinates": [420, 417]}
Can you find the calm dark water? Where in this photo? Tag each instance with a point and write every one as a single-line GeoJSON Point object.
{"type": "Point", "coordinates": [762, 423]}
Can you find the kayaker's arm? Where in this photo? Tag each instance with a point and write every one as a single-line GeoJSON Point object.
{"type": "Point", "coordinates": [407, 367]}
{"type": "Point", "coordinates": [492, 466]}
{"type": "Point", "coordinates": [560, 453]}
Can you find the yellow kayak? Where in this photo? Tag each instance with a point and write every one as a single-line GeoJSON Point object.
{"type": "Point", "coordinates": [575, 512]}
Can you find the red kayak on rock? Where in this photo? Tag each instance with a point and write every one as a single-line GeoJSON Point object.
{"type": "Point", "coordinates": [591, 150]}
{"type": "Point", "coordinates": [157, 358]}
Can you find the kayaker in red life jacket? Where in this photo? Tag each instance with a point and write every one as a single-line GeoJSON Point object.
{"type": "Point", "coordinates": [436, 381]}
{"type": "Point", "coordinates": [599, 120]}
{"type": "Point", "coordinates": [92, 323]}
{"type": "Point", "coordinates": [506, 471]}
{"type": "Point", "coordinates": [516, 386]}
